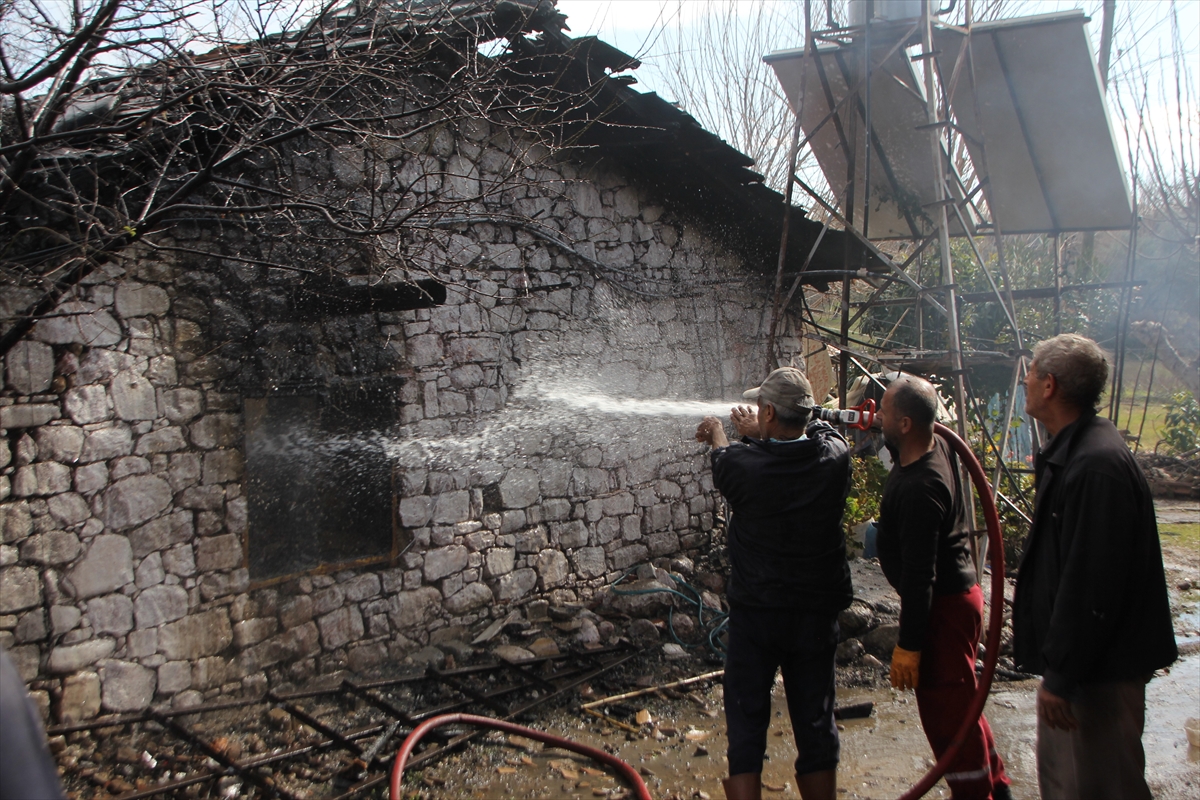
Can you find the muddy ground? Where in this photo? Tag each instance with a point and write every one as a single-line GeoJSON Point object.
{"type": "Point", "coordinates": [680, 751]}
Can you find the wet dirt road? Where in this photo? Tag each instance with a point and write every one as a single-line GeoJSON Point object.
{"type": "Point", "coordinates": [881, 756]}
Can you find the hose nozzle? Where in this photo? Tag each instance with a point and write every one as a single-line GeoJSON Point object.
{"type": "Point", "coordinates": [860, 417]}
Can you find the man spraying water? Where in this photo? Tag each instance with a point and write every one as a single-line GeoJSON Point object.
{"type": "Point", "coordinates": [786, 482]}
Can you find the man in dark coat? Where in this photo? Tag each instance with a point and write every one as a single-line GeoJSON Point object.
{"type": "Point", "coordinates": [924, 549]}
{"type": "Point", "coordinates": [787, 486]}
{"type": "Point", "coordinates": [1091, 613]}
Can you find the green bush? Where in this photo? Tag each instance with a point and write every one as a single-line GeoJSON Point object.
{"type": "Point", "coordinates": [1182, 434]}
{"type": "Point", "coordinates": [867, 476]}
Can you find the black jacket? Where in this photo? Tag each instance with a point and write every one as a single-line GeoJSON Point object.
{"type": "Point", "coordinates": [786, 545]}
{"type": "Point", "coordinates": [1091, 600]}
{"type": "Point", "coordinates": [924, 537]}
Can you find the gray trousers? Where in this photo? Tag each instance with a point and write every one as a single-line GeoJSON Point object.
{"type": "Point", "coordinates": [1102, 759]}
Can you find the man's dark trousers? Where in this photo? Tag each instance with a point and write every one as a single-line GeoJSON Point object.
{"type": "Point", "coordinates": [801, 644]}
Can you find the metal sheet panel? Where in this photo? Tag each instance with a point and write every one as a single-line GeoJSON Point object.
{"type": "Point", "coordinates": [1031, 104]}
{"type": "Point", "coordinates": [902, 175]}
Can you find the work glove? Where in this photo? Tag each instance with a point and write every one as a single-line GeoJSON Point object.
{"type": "Point", "coordinates": [905, 667]}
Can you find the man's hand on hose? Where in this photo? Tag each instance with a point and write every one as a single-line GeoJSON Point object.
{"type": "Point", "coordinates": [1055, 711]}
{"type": "Point", "coordinates": [745, 419]}
{"type": "Point", "coordinates": [905, 666]}
{"type": "Point", "coordinates": [711, 432]}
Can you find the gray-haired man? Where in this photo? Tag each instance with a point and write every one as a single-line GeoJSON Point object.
{"type": "Point", "coordinates": [1091, 613]}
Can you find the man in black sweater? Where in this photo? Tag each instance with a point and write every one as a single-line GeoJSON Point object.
{"type": "Point", "coordinates": [1091, 613]}
{"type": "Point", "coordinates": [787, 482]}
{"type": "Point", "coordinates": [924, 549]}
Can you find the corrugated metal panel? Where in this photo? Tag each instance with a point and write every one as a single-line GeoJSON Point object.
{"type": "Point", "coordinates": [1051, 159]}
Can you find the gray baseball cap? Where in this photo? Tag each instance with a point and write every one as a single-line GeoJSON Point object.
{"type": "Point", "coordinates": [786, 387]}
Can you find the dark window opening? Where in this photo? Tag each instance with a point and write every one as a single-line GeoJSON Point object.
{"type": "Point", "coordinates": [319, 480]}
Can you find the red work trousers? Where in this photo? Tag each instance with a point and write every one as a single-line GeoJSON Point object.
{"type": "Point", "coordinates": [945, 688]}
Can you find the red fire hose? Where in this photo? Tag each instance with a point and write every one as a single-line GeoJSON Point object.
{"type": "Point", "coordinates": [995, 618]}
{"type": "Point", "coordinates": [629, 773]}
{"type": "Point", "coordinates": [974, 710]}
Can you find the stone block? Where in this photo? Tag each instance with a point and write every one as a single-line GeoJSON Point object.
{"type": "Point", "coordinates": [569, 535]}
{"type": "Point", "coordinates": [516, 584]}
{"type": "Point", "coordinates": [519, 489]}
{"type": "Point", "coordinates": [77, 322]}
{"type": "Point", "coordinates": [45, 478]}
{"type": "Point", "coordinates": [53, 547]}
{"type": "Point", "coordinates": [28, 415]}
{"type": "Point", "coordinates": [63, 619]}
{"type": "Point", "coordinates": [362, 587]}
{"type": "Point", "coordinates": [328, 599]}
{"type": "Point", "coordinates": [31, 627]}
{"type": "Point", "coordinates": [340, 627]}
{"type": "Point", "coordinates": [532, 540]}
{"type": "Point", "coordinates": [128, 465]}
{"type": "Point", "coordinates": [589, 482]}
{"type": "Point", "coordinates": [163, 440]}
{"type": "Point", "coordinates": [181, 405]}
{"type": "Point", "coordinates": [882, 641]}
{"type": "Point", "coordinates": [208, 673]}
{"type": "Point", "coordinates": [179, 561]}
{"type": "Point", "coordinates": [134, 500]}
{"type": "Point", "coordinates": [629, 555]}
{"type": "Point", "coordinates": [126, 686]}
{"type": "Point", "coordinates": [499, 561]}
{"type": "Point", "coordinates": [414, 608]}
{"type": "Point", "coordinates": [112, 613]}
{"type": "Point", "coordinates": [80, 699]}
{"type": "Point", "coordinates": [15, 521]}
{"type": "Point", "coordinates": [72, 658]}
{"type": "Point", "coordinates": [296, 611]}
{"type": "Point", "coordinates": [161, 533]}
{"type": "Point", "coordinates": [107, 566]}
{"type": "Point", "coordinates": [203, 498]}
{"type": "Point", "coordinates": [451, 507]}
{"type": "Point", "coordinates": [88, 404]}
{"type": "Point", "coordinates": [216, 430]}
{"type": "Point", "coordinates": [196, 636]}
{"type": "Point", "coordinates": [217, 553]}
{"type": "Point", "coordinates": [68, 508]}
{"type": "Point", "coordinates": [141, 300]}
{"type": "Point", "coordinates": [26, 658]}
{"type": "Point", "coordinates": [415, 512]}
{"type": "Point", "coordinates": [143, 643]}
{"type": "Point", "coordinates": [425, 350]}
{"type": "Point", "coordinates": [222, 466]}
{"type": "Point", "coordinates": [552, 569]}
{"type": "Point", "coordinates": [445, 561]}
{"type": "Point", "coordinates": [661, 544]}
{"type": "Point", "coordinates": [159, 604]}
{"type": "Point", "coordinates": [252, 631]}
{"type": "Point", "coordinates": [174, 677]}
{"type": "Point", "coordinates": [149, 572]}
{"type": "Point", "coordinates": [366, 657]}
{"type": "Point", "coordinates": [473, 596]}
{"type": "Point", "coordinates": [30, 367]}
{"type": "Point", "coordinates": [134, 397]}
{"type": "Point", "coordinates": [589, 562]}
{"type": "Point", "coordinates": [91, 478]}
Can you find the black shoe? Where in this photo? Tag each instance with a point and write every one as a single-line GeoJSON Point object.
{"type": "Point", "coordinates": [1001, 791]}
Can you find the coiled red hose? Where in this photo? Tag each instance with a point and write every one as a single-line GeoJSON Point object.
{"type": "Point", "coordinates": [629, 773]}
{"type": "Point", "coordinates": [995, 618]}
{"type": "Point", "coordinates": [974, 710]}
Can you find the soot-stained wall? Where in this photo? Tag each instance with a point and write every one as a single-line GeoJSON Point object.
{"type": "Point", "coordinates": [513, 441]}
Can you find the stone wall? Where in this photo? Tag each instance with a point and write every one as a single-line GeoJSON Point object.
{"type": "Point", "coordinates": [124, 578]}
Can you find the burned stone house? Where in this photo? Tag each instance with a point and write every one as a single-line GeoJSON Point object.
{"type": "Point", "coordinates": [241, 453]}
